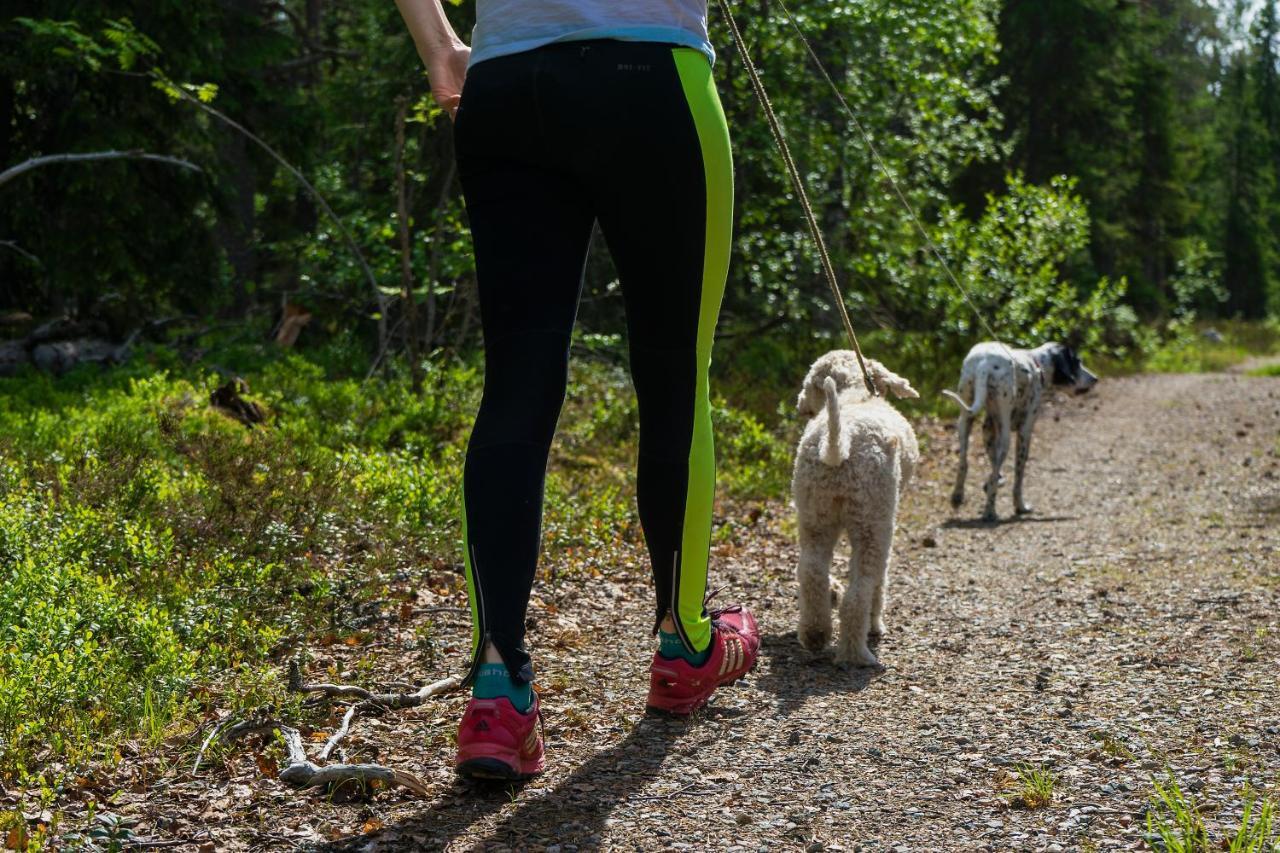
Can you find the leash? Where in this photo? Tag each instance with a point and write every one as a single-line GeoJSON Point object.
{"type": "Point", "coordinates": [775, 128]}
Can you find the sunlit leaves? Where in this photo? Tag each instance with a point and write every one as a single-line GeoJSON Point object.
{"type": "Point", "coordinates": [914, 75]}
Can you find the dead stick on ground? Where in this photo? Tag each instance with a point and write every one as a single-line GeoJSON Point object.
{"type": "Point", "coordinates": [338, 735]}
{"type": "Point", "coordinates": [195, 768]}
{"type": "Point", "coordinates": [301, 772]}
{"type": "Point", "coordinates": [386, 700]}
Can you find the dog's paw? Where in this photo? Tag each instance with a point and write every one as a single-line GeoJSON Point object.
{"type": "Point", "coordinates": [813, 639]}
{"type": "Point", "coordinates": [957, 498]}
{"type": "Point", "coordinates": [856, 657]}
{"type": "Point", "coordinates": [990, 515]}
{"type": "Point", "coordinates": [1025, 509]}
{"type": "Point", "coordinates": [877, 628]}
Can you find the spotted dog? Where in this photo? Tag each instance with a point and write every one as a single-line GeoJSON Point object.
{"type": "Point", "coordinates": [1011, 384]}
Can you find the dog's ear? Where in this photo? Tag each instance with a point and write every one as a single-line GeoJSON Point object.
{"type": "Point", "coordinates": [811, 396]}
{"type": "Point", "coordinates": [804, 406]}
{"type": "Point", "coordinates": [887, 381]}
{"type": "Point", "coordinates": [1066, 365]}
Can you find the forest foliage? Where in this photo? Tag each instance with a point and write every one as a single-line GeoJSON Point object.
{"type": "Point", "coordinates": [1089, 169]}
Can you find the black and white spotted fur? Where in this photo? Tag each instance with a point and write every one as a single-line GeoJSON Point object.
{"type": "Point", "coordinates": [1011, 384]}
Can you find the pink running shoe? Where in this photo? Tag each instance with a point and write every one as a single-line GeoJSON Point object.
{"type": "Point", "coordinates": [678, 687]}
{"type": "Point", "coordinates": [495, 741]}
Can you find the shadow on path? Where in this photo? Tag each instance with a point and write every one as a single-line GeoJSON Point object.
{"type": "Point", "coordinates": [573, 811]}
{"type": "Point", "coordinates": [576, 809]}
{"type": "Point", "coordinates": [454, 811]}
{"type": "Point", "coordinates": [795, 674]}
{"type": "Point", "coordinates": [983, 524]}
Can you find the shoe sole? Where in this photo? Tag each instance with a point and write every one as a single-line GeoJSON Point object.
{"type": "Point", "coordinates": [486, 761]}
{"type": "Point", "coordinates": [492, 768]}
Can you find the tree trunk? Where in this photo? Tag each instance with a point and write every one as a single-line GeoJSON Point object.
{"type": "Point", "coordinates": [314, 13]}
{"type": "Point", "coordinates": [234, 231]}
{"type": "Point", "coordinates": [6, 121]}
{"type": "Point", "coordinates": [433, 273]}
{"type": "Point", "coordinates": [406, 254]}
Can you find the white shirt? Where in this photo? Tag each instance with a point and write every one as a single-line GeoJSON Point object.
{"type": "Point", "coordinates": [513, 26]}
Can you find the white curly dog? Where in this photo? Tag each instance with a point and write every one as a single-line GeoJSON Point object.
{"type": "Point", "coordinates": [856, 455]}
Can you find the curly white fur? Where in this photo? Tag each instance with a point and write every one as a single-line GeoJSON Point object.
{"type": "Point", "coordinates": [856, 455]}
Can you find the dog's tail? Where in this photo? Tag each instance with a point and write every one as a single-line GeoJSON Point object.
{"type": "Point", "coordinates": [979, 393]}
{"type": "Point", "coordinates": [831, 450]}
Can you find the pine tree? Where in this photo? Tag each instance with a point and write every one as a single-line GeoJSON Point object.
{"type": "Point", "coordinates": [1247, 169]}
{"type": "Point", "coordinates": [1116, 95]}
{"type": "Point", "coordinates": [1267, 100]}
{"type": "Point", "coordinates": [1248, 187]}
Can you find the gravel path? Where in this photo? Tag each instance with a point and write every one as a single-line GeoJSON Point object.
{"type": "Point", "coordinates": [1130, 628]}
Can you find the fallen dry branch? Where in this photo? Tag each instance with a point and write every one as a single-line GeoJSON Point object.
{"type": "Point", "coordinates": [213, 734]}
{"type": "Point", "coordinates": [300, 771]}
{"type": "Point", "coordinates": [394, 701]}
{"type": "Point", "coordinates": [337, 736]}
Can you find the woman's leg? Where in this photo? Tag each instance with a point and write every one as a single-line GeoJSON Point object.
{"type": "Point", "coordinates": [666, 211]}
{"type": "Point", "coordinates": [531, 225]}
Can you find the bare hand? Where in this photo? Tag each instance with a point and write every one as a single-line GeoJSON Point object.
{"type": "Point", "coordinates": [447, 70]}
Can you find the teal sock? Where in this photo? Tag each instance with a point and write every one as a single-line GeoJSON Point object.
{"type": "Point", "coordinates": [670, 646]}
{"type": "Point", "coordinates": [492, 682]}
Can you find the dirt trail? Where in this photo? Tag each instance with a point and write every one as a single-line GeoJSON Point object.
{"type": "Point", "coordinates": [1131, 624]}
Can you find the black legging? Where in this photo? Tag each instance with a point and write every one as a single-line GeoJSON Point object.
{"type": "Point", "coordinates": [549, 142]}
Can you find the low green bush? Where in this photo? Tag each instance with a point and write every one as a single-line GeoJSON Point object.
{"type": "Point", "coordinates": [154, 552]}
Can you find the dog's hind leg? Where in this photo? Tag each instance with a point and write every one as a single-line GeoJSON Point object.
{"type": "Point", "coordinates": [996, 432]}
{"type": "Point", "coordinates": [876, 626]}
{"type": "Point", "coordinates": [817, 546]}
{"type": "Point", "coordinates": [880, 573]}
{"type": "Point", "coordinates": [962, 430]}
{"type": "Point", "coordinates": [1020, 464]}
{"type": "Point", "coordinates": [869, 555]}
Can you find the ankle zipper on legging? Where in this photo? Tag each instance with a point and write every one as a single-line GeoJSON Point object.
{"type": "Point", "coordinates": [675, 603]}
{"type": "Point", "coordinates": [482, 633]}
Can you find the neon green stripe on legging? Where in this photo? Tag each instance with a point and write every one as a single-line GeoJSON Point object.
{"type": "Point", "coordinates": [717, 163]}
{"type": "Point", "coordinates": [473, 594]}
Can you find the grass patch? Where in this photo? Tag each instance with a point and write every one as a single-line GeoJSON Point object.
{"type": "Point", "coordinates": [1175, 825]}
{"type": "Point", "coordinates": [1032, 787]}
{"type": "Point", "coordinates": [1174, 822]}
{"type": "Point", "coordinates": [1207, 348]}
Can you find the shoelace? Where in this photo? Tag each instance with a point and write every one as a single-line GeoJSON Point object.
{"type": "Point", "coordinates": [714, 614]}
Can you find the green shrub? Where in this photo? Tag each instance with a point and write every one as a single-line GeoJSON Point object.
{"type": "Point", "coordinates": [153, 549]}
{"type": "Point", "coordinates": [1012, 264]}
{"type": "Point", "coordinates": [754, 462]}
